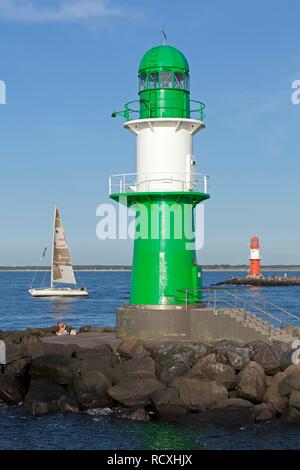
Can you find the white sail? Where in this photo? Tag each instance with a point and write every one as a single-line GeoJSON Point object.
{"type": "Point", "coordinates": [62, 270]}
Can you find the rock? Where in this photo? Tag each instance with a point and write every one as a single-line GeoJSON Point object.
{"type": "Point", "coordinates": [269, 380]}
{"type": "Point", "coordinates": [199, 394]}
{"type": "Point", "coordinates": [135, 392]}
{"type": "Point", "coordinates": [94, 360]}
{"type": "Point", "coordinates": [91, 390]}
{"type": "Point", "coordinates": [11, 389]}
{"type": "Point", "coordinates": [187, 352]}
{"type": "Point", "coordinates": [15, 352]}
{"type": "Point", "coordinates": [293, 416]}
{"type": "Point", "coordinates": [292, 377]}
{"type": "Point", "coordinates": [174, 367]}
{"type": "Point", "coordinates": [285, 389]}
{"type": "Point", "coordinates": [132, 349]}
{"type": "Point", "coordinates": [55, 368]}
{"type": "Point", "coordinates": [273, 395]}
{"type": "Point", "coordinates": [217, 371]}
{"type": "Point", "coordinates": [238, 356]}
{"type": "Point", "coordinates": [19, 368]}
{"type": "Point", "coordinates": [136, 414]}
{"type": "Point", "coordinates": [43, 397]}
{"type": "Point", "coordinates": [167, 403]}
{"type": "Point", "coordinates": [232, 394]}
{"type": "Point", "coordinates": [295, 399]}
{"type": "Point", "coordinates": [69, 406]}
{"type": "Point", "coordinates": [264, 412]}
{"type": "Point", "coordinates": [266, 356]}
{"type": "Point", "coordinates": [252, 382]}
{"type": "Point", "coordinates": [134, 369]}
{"type": "Point", "coordinates": [96, 329]}
{"type": "Point", "coordinates": [172, 361]}
{"type": "Point", "coordinates": [193, 351]}
{"type": "Point", "coordinates": [234, 402]}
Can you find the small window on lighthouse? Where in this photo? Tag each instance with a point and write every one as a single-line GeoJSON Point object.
{"type": "Point", "coordinates": [179, 80]}
{"type": "Point", "coordinates": [153, 80]}
{"type": "Point", "coordinates": [166, 79]}
{"type": "Point", "coordinates": [143, 81]}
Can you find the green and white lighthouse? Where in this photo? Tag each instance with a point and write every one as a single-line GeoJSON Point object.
{"type": "Point", "coordinates": [166, 187]}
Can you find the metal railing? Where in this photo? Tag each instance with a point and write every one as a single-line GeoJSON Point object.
{"type": "Point", "coordinates": [157, 181]}
{"type": "Point", "coordinates": [132, 110]}
{"type": "Point", "coordinates": [219, 298]}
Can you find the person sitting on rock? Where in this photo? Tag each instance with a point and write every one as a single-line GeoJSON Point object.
{"type": "Point", "coordinates": [62, 329]}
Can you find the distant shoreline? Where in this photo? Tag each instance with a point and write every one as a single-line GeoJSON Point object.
{"type": "Point", "coordinates": [128, 269]}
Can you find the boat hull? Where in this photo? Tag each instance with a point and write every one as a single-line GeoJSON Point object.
{"type": "Point", "coordinates": [57, 292]}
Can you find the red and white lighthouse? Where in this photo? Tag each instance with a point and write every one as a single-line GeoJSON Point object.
{"type": "Point", "coordinates": [254, 268]}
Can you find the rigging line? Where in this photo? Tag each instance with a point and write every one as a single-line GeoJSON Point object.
{"type": "Point", "coordinates": [39, 265]}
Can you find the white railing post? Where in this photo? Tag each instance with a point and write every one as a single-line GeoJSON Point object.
{"type": "Point", "coordinates": [205, 184]}
{"type": "Point", "coordinates": [109, 185]}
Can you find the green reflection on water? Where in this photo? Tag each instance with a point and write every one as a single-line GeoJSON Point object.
{"type": "Point", "coordinates": [161, 436]}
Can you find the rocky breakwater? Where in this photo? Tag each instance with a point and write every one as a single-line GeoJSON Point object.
{"type": "Point", "coordinates": [182, 382]}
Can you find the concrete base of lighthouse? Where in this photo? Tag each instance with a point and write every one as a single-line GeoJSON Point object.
{"type": "Point", "coordinates": [196, 323]}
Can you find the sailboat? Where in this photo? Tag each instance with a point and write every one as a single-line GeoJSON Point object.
{"type": "Point", "coordinates": [61, 268]}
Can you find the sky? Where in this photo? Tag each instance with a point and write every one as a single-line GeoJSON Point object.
{"type": "Point", "coordinates": [67, 64]}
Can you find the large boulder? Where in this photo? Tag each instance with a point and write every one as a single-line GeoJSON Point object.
{"type": "Point", "coordinates": [172, 368]}
{"type": "Point", "coordinates": [291, 380]}
{"type": "Point", "coordinates": [237, 355]}
{"type": "Point", "coordinates": [91, 390]}
{"type": "Point", "coordinates": [143, 368]}
{"type": "Point", "coordinates": [135, 392]}
{"type": "Point", "coordinates": [295, 399]}
{"type": "Point", "coordinates": [12, 390]}
{"type": "Point", "coordinates": [273, 395]}
{"type": "Point", "coordinates": [167, 403]}
{"type": "Point", "coordinates": [267, 357]}
{"type": "Point", "coordinates": [199, 394]}
{"type": "Point", "coordinates": [252, 382]}
{"type": "Point", "coordinates": [233, 403]}
{"type": "Point", "coordinates": [19, 367]}
{"type": "Point", "coordinates": [188, 352]}
{"type": "Point", "coordinates": [210, 368]}
{"type": "Point", "coordinates": [43, 397]}
{"type": "Point", "coordinates": [132, 348]}
{"type": "Point", "coordinates": [293, 416]}
{"type": "Point", "coordinates": [94, 360]}
{"type": "Point", "coordinates": [264, 412]}
{"type": "Point", "coordinates": [53, 367]}
{"type": "Point", "coordinates": [172, 360]}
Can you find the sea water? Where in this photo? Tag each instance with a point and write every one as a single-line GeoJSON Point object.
{"type": "Point", "coordinates": [97, 429]}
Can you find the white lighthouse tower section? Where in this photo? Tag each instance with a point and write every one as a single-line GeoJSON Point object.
{"type": "Point", "coordinates": [254, 253]}
{"type": "Point", "coordinates": [165, 159]}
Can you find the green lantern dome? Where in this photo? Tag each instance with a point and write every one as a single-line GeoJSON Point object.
{"type": "Point", "coordinates": [164, 84]}
{"type": "Point", "coordinates": [161, 57]}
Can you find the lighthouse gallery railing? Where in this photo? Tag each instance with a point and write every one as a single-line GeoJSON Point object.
{"type": "Point", "coordinates": [134, 182]}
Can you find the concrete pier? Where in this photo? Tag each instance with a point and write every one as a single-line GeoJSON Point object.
{"type": "Point", "coordinates": [84, 340]}
{"type": "Point", "coordinates": [193, 324]}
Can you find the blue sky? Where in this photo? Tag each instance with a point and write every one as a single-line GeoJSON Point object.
{"type": "Point", "coordinates": [68, 64]}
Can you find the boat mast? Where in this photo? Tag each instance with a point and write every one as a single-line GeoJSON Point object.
{"type": "Point", "coordinates": [52, 259]}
